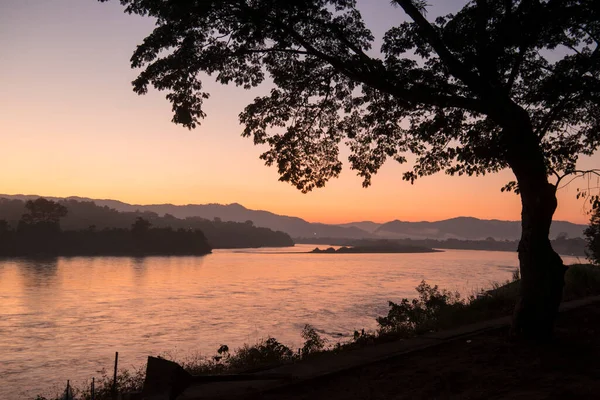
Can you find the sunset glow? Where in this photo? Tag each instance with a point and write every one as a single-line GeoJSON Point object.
{"type": "Point", "coordinates": [71, 126]}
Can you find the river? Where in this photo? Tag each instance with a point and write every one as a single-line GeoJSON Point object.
{"type": "Point", "coordinates": [64, 318]}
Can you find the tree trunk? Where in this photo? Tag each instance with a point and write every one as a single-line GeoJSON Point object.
{"type": "Point", "coordinates": [542, 269]}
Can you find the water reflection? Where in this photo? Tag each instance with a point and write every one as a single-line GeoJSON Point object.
{"type": "Point", "coordinates": [138, 266]}
{"type": "Point", "coordinates": [40, 272]}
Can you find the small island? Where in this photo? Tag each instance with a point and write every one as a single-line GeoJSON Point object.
{"type": "Point", "coordinates": [375, 249]}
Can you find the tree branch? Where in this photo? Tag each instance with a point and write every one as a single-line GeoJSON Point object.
{"type": "Point", "coordinates": [542, 129]}
{"type": "Point", "coordinates": [514, 72]}
{"type": "Point", "coordinates": [455, 66]}
{"type": "Point", "coordinates": [578, 173]}
{"type": "Point", "coordinates": [272, 50]}
{"type": "Point", "coordinates": [485, 61]}
{"type": "Point", "coordinates": [377, 79]}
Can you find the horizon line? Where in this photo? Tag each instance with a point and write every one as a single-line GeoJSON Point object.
{"type": "Point", "coordinates": [262, 210]}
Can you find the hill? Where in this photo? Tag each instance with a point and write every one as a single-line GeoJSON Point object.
{"type": "Point", "coordinates": [464, 228]}
{"type": "Point", "coordinates": [295, 227]}
{"type": "Point", "coordinates": [87, 215]}
{"type": "Point", "coordinates": [469, 228]}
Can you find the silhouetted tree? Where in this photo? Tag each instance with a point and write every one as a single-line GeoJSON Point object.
{"type": "Point", "coordinates": [43, 215]}
{"type": "Point", "coordinates": [592, 234]}
{"type": "Point", "coordinates": [87, 216]}
{"type": "Point", "coordinates": [500, 84]}
{"type": "Point", "coordinates": [4, 226]}
{"type": "Point", "coordinates": [140, 226]}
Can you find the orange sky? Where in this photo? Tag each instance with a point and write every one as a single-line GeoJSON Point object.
{"type": "Point", "coordinates": [71, 125]}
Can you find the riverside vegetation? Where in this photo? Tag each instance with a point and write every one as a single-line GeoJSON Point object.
{"type": "Point", "coordinates": [72, 228]}
{"type": "Point", "coordinates": [38, 232]}
{"type": "Point", "coordinates": [434, 309]}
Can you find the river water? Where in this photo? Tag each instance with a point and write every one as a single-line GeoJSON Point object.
{"type": "Point", "coordinates": [64, 318]}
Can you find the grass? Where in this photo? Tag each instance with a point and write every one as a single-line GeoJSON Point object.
{"type": "Point", "coordinates": [433, 310]}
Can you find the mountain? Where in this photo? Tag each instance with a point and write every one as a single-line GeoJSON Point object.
{"type": "Point", "coordinates": [86, 216]}
{"type": "Point", "coordinates": [293, 226]}
{"type": "Point", "coordinates": [367, 226]}
{"type": "Point", "coordinates": [469, 228]}
{"type": "Point", "coordinates": [459, 228]}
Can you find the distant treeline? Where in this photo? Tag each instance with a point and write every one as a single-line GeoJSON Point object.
{"type": "Point", "coordinates": [88, 217]}
{"type": "Point", "coordinates": [562, 245]}
{"type": "Point", "coordinates": [38, 232]}
{"type": "Point", "coordinates": [108, 242]}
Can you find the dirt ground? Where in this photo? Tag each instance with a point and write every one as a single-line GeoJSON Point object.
{"type": "Point", "coordinates": [485, 366]}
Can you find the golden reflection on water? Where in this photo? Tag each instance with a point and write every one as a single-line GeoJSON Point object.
{"type": "Point", "coordinates": [64, 318]}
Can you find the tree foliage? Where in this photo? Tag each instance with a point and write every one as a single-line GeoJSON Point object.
{"type": "Point", "coordinates": [446, 91]}
{"type": "Point", "coordinates": [43, 211]}
{"type": "Point", "coordinates": [592, 234]}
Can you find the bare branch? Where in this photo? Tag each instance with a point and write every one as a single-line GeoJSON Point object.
{"type": "Point", "coordinates": [578, 174]}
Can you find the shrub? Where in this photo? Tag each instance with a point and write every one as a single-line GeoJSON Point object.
{"type": "Point", "coordinates": [582, 280]}
{"type": "Point", "coordinates": [313, 343]}
{"type": "Point", "coordinates": [410, 317]}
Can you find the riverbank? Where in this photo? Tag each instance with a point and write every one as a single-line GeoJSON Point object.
{"type": "Point", "coordinates": [483, 366]}
{"type": "Point", "coordinates": [465, 362]}
{"type": "Point", "coordinates": [374, 371]}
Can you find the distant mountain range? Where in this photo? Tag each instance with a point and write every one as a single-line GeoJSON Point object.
{"type": "Point", "coordinates": [469, 228]}
{"type": "Point", "coordinates": [457, 228]}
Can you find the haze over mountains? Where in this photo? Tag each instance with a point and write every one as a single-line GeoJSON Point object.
{"type": "Point", "coordinates": [458, 228]}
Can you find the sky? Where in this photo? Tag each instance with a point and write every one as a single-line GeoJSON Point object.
{"type": "Point", "coordinates": [71, 125]}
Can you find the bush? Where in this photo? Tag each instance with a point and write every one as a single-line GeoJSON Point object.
{"type": "Point", "coordinates": [582, 280]}
{"type": "Point", "coordinates": [266, 353]}
{"type": "Point", "coordinates": [411, 317]}
{"type": "Point", "coordinates": [313, 343]}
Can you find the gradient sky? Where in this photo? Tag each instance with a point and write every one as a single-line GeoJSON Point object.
{"type": "Point", "coordinates": [71, 125]}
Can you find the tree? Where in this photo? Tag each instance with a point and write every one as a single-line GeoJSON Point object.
{"type": "Point", "coordinates": [500, 84]}
{"type": "Point", "coordinates": [592, 235]}
{"type": "Point", "coordinates": [140, 226]}
{"type": "Point", "coordinates": [4, 226]}
{"type": "Point", "coordinates": [43, 213]}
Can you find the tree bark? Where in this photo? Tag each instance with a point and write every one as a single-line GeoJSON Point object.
{"type": "Point", "coordinates": [542, 269]}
